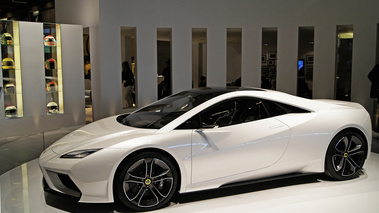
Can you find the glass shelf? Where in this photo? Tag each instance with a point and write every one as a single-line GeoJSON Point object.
{"type": "Point", "coordinates": [11, 69]}
{"type": "Point", "coordinates": [53, 69]}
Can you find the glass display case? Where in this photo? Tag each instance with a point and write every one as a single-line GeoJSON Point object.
{"type": "Point", "coordinates": [53, 68]}
{"type": "Point", "coordinates": [11, 69]}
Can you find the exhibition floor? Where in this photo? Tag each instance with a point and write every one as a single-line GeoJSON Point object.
{"type": "Point", "coordinates": [15, 151]}
{"type": "Point", "coordinates": [21, 191]}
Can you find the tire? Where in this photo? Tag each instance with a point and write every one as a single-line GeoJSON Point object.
{"type": "Point", "coordinates": [345, 156]}
{"type": "Point", "coordinates": [146, 181]}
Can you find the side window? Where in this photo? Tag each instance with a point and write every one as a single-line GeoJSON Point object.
{"type": "Point", "coordinates": [276, 109]}
{"type": "Point", "coordinates": [232, 112]}
{"type": "Point", "coordinates": [221, 114]}
{"type": "Point", "coordinates": [192, 123]}
{"type": "Point", "coordinates": [251, 110]}
{"type": "Point", "coordinates": [237, 111]}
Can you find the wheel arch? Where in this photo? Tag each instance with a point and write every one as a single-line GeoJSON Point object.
{"type": "Point", "coordinates": [157, 150]}
{"type": "Point", "coordinates": [348, 130]}
{"type": "Point", "coordinates": [358, 131]}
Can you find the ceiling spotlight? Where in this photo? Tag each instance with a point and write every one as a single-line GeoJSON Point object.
{"type": "Point", "coordinates": [20, 2]}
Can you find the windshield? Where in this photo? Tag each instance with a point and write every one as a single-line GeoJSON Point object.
{"type": "Point", "coordinates": [162, 112]}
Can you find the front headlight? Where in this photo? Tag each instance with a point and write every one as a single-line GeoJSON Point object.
{"type": "Point", "coordinates": [79, 153]}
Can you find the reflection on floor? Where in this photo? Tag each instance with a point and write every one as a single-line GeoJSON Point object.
{"type": "Point", "coordinates": [89, 116]}
{"type": "Point", "coordinates": [15, 151]}
{"type": "Point", "coordinates": [21, 191]}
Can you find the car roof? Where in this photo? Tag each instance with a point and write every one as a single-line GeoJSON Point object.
{"type": "Point", "coordinates": [222, 90]}
{"type": "Point", "coordinates": [272, 95]}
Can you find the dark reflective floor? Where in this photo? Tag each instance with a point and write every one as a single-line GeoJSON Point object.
{"type": "Point", "coordinates": [15, 151]}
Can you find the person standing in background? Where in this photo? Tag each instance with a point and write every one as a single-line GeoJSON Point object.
{"type": "Point", "coordinates": [374, 92]}
{"type": "Point", "coordinates": [167, 77]}
{"type": "Point", "coordinates": [128, 82]}
{"type": "Point", "coordinates": [374, 78]}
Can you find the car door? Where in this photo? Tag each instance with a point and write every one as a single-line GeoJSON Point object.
{"type": "Point", "coordinates": [236, 136]}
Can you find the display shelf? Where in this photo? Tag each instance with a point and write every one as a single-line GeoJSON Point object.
{"type": "Point", "coordinates": [11, 69]}
{"type": "Point", "coordinates": [53, 69]}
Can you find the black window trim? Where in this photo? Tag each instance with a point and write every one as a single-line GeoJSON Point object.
{"type": "Point", "coordinates": [264, 104]}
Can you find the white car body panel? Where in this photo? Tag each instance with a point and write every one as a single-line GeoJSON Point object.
{"type": "Point", "coordinates": [216, 152]}
{"type": "Point", "coordinates": [209, 158]}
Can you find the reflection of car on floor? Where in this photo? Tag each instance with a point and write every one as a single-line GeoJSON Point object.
{"type": "Point", "coordinates": [206, 138]}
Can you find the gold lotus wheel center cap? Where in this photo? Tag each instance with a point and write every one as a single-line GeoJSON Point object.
{"type": "Point", "coordinates": [147, 182]}
{"type": "Point", "coordinates": [345, 155]}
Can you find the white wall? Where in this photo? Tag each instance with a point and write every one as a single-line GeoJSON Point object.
{"type": "Point", "coordinates": [105, 19]}
{"type": "Point", "coordinates": [86, 13]}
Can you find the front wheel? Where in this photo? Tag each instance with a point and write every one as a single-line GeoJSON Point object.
{"type": "Point", "coordinates": [345, 156]}
{"type": "Point", "coordinates": [146, 181]}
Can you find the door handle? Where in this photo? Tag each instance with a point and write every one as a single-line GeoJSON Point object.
{"type": "Point", "coordinates": [276, 126]}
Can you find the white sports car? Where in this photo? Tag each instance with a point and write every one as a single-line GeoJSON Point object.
{"type": "Point", "coordinates": [203, 139]}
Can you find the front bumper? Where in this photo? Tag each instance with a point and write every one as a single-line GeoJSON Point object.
{"type": "Point", "coordinates": [72, 196]}
{"type": "Point", "coordinates": [86, 180]}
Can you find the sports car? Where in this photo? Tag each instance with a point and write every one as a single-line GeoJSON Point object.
{"type": "Point", "coordinates": [206, 138]}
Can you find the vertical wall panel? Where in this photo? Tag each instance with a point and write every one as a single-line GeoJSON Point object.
{"type": "Point", "coordinates": [324, 61]}
{"type": "Point", "coordinates": [147, 65]}
{"type": "Point", "coordinates": [251, 57]}
{"type": "Point", "coordinates": [73, 74]}
{"type": "Point", "coordinates": [181, 59]}
{"type": "Point", "coordinates": [33, 74]}
{"type": "Point", "coordinates": [216, 55]}
{"type": "Point", "coordinates": [287, 59]}
{"type": "Point", "coordinates": [110, 66]}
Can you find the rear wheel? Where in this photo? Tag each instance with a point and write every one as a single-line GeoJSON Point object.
{"type": "Point", "coordinates": [345, 156]}
{"type": "Point", "coordinates": [146, 181]}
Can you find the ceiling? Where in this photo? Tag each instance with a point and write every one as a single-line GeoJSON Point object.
{"type": "Point", "coordinates": [21, 9]}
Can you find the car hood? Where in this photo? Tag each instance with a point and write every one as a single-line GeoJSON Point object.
{"type": "Point", "coordinates": [97, 135]}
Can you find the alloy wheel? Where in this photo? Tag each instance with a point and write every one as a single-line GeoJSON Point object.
{"type": "Point", "coordinates": [148, 182]}
{"type": "Point", "coordinates": [347, 155]}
